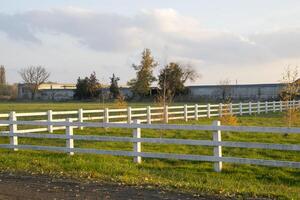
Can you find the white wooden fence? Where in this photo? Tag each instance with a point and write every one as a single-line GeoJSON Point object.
{"type": "Point", "coordinates": [137, 141]}
{"type": "Point", "coordinates": [151, 114]}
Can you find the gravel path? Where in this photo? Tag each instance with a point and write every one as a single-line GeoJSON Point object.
{"type": "Point", "coordinates": [14, 186]}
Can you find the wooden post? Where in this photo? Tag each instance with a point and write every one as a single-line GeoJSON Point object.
{"type": "Point", "coordinates": [208, 110]}
{"type": "Point", "coordinates": [12, 130]}
{"type": "Point", "coordinates": [250, 108]}
{"type": "Point", "coordinates": [241, 108]}
{"type": "Point", "coordinates": [129, 115]}
{"type": "Point", "coordinates": [280, 105]}
{"type": "Point", "coordinates": [185, 113]}
{"type": "Point", "coordinates": [69, 134]}
{"type": "Point", "coordinates": [266, 107]}
{"type": "Point", "coordinates": [217, 149]}
{"type": "Point", "coordinates": [230, 109]}
{"type": "Point", "coordinates": [274, 106]}
{"type": "Point", "coordinates": [50, 118]}
{"type": "Point", "coordinates": [148, 115]}
{"type": "Point", "coordinates": [80, 117]}
{"type": "Point", "coordinates": [137, 146]}
{"type": "Point", "coordinates": [196, 112]}
{"type": "Point", "coordinates": [166, 114]}
{"type": "Point", "coordinates": [258, 107]}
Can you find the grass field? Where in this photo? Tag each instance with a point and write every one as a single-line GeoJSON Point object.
{"type": "Point", "coordinates": [235, 180]}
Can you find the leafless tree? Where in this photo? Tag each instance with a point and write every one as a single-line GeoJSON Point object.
{"type": "Point", "coordinates": [289, 92]}
{"type": "Point", "coordinates": [226, 90]}
{"type": "Point", "coordinates": [291, 82]}
{"type": "Point", "coordinates": [33, 77]}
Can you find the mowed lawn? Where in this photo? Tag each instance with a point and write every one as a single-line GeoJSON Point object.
{"type": "Point", "coordinates": [199, 177]}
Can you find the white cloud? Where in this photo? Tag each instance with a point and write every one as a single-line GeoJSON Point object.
{"type": "Point", "coordinates": [116, 40]}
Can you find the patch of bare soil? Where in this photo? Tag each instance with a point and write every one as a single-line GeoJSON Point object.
{"type": "Point", "coordinates": [16, 186]}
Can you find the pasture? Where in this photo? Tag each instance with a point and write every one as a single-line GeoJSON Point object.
{"type": "Point", "coordinates": [235, 180]}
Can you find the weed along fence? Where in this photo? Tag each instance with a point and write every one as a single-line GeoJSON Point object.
{"type": "Point", "coordinates": [148, 114]}
{"type": "Point", "coordinates": [137, 140]}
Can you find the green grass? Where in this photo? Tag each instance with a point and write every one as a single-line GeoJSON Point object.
{"type": "Point", "coordinates": [235, 180]}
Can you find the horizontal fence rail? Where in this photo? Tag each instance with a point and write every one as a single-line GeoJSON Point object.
{"type": "Point", "coordinates": [152, 114]}
{"type": "Point", "coordinates": [137, 141]}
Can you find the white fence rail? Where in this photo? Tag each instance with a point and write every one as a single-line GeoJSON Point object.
{"type": "Point", "coordinates": [152, 114]}
{"type": "Point", "coordinates": [137, 141]}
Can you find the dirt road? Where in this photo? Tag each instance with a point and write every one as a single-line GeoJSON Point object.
{"type": "Point", "coordinates": [14, 186]}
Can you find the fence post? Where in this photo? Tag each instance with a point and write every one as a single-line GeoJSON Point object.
{"type": "Point", "coordinates": [50, 118]}
{"type": "Point", "coordinates": [106, 115]}
{"type": "Point", "coordinates": [258, 107]}
{"type": "Point", "coordinates": [280, 106]}
{"type": "Point", "coordinates": [137, 146]}
{"type": "Point", "coordinates": [230, 109]}
{"type": "Point", "coordinates": [166, 114]}
{"type": "Point", "coordinates": [69, 134]}
{"type": "Point", "coordinates": [220, 109]}
{"type": "Point", "coordinates": [185, 113]}
{"type": "Point", "coordinates": [274, 106]}
{"type": "Point", "coordinates": [208, 110]}
{"type": "Point", "coordinates": [80, 117]}
{"type": "Point", "coordinates": [129, 115]}
{"type": "Point", "coordinates": [148, 114]}
{"type": "Point", "coordinates": [12, 130]}
{"type": "Point", "coordinates": [266, 107]}
{"type": "Point", "coordinates": [293, 103]}
{"type": "Point", "coordinates": [196, 112]}
{"type": "Point", "coordinates": [217, 149]}
{"type": "Point", "coordinates": [241, 108]}
{"type": "Point", "coordinates": [250, 108]}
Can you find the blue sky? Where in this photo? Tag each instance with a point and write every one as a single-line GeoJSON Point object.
{"type": "Point", "coordinates": [229, 39]}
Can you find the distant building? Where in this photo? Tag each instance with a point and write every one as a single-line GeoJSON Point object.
{"type": "Point", "coordinates": [60, 92]}
{"type": "Point", "coordinates": [2, 75]}
{"type": "Point", "coordinates": [48, 91]}
{"type": "Point", "coordinates": [245, 92]}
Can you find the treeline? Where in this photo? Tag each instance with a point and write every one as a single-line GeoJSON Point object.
{"type": "Point", "coordinates": [171, 81]}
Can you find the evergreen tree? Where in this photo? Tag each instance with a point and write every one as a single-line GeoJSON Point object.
{"type": "Point", "coordinates": [2, 75]}
{"type": "Point", "coordinates": [114, 88]}
{"type": "Point", "coordinates": [141, 85]}
{"type": "Point", "coordinates": [87, 88]}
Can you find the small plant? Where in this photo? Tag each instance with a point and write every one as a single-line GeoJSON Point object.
{"type": "Point", "coordinates": [291, 116]}
{"type": "Point", "coordinates": [227, 118]}
{"type": "Point", "coordinates": [120, 102]}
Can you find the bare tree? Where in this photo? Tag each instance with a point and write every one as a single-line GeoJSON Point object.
{"type": "Point", "coordinates": [291, 81]}
{"type": "Point", "coordinates": [33, 77]}
{"type": "Point", "coordinates": [289, 92]}
{"type": "Point", "coordinates": [226, 90]}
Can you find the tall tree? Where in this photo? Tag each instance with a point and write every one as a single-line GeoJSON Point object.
{"type": "Point", "coordinates": [172, 79]}
{"type": "Point", "coordinates": [114, 87]}
{"type": "Point", "coordinates": [2, 75]}
{"type": "Point", "coordinates": [33, 77]}
{"type": "Point", "coordinates": [141, 85]}
{"type": "Point", "coordinates": [93, 86]}
{"type": "Point", "coordinates": [81, 91]}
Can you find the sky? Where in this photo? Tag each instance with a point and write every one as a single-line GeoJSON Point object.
{"type": "Point", "coordinates": [247, 42]}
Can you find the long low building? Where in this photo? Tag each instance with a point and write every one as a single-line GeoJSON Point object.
{"type": "Point", "coordinates": [236, 92]}
{"type": "Point", "coordinates": [48, 91]}
{"type": "Point", "coordinates": [61, 92]}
